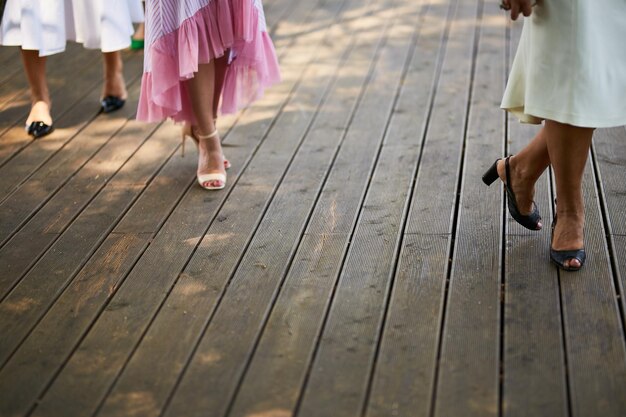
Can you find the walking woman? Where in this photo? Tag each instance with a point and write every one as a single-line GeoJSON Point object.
{"type": "Point", "coordinates": [42, 27]}
{"type": "Point", "coordinates": [569, 73]}
{"type": "Point", "coordinates": [196, 53]}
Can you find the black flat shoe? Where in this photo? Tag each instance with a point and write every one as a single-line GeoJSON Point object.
{"type": "Point", "coordinates": [111, 103]}
{"type": "Point", "coordinates": [530, 221]}
{"type": "Point", "coordinates": [39, 129]}
{"type": "Point", "coordinates": [559, 257]}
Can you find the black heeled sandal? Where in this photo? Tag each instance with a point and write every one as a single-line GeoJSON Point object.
{"type": "Point", "coordinates": [530, 221]}
{"type": "Point", "coordinates": [559, 257]}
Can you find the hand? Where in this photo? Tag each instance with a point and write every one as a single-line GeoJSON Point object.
{"type": "Point", "coordinates": [517, 6]}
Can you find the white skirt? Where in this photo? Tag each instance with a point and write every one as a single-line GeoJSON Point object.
{"type": "Point", "coordinates": [570, 65]}
{"type": "Point", "coordinates": [46, 25]}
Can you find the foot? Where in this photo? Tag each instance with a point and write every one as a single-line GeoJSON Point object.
{"type": "Point", "coordinates": [523, 187]}
{"type": "Point", "coordinates": [39, 112]}
{"type": "Point", "coordinates": [568, 234]}
{"type": "Point", "coordinates": [210, 159]}
{"type": "Point", "coordinates": [115, 85]}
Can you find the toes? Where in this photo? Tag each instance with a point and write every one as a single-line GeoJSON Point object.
{"type": "Point", "coordinates": [572, 263]}
{"type": "Point", "coordinates": [213, 184]}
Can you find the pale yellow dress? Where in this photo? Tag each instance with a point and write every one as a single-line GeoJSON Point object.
{"type": "Point", "coordinates": [570, 65]}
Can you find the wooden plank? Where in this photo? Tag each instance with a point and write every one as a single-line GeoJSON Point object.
{"type": "Point", "coordinates": [10, 57]}
{"type": "Point", "coordinates": [73, 108]}
{"type": "Point", "coordinates": [23, 378]}
{"type": "Point", "coordinates": [288, 340]}
{"type": "Point", "coordinates": [470, 350]}
{"type": "Point", "coordinates": [594, 332]}
{"type": "Point", "coordinates": [96, 207]}
{"type": "Point", "coordinates": [398, 385]}
{"type": "Point", "coordinates": [446, 119]}
{"type": "Point", "coordinates": [10, 62]}
{"type": "Point", "coordinates": [134, 224]}
{"type": "Point", "coordinates": [58, 155]}
{"type": "Point", "coordinates": [221, 255]}
{"type": "Point", "coordinates": [296, 192]}
{"type": "Point", "coordinates": [172, 247]}
{"type": "Point", "coordinates": [533, 353]}
{"type": "Point", "coordinates": [54, 187]}
{"type": "Point", "coordinates": [266, 260]}
{"type": "Point", "coordinates": [343, 390]}
{"type": "Point", "coordinates": [609, 155]}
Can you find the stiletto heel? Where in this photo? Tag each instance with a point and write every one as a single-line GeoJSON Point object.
{"type": "Point", "coordinates": [530, 221]}
{"type": "Point", "coordinates": [214, 181]}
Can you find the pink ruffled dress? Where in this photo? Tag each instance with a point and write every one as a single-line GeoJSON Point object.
{"type": "Point", "coordinates": [180, 34]}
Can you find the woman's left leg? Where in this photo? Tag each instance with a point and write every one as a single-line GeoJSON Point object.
{"type": "Point", "coordinates": [568, 147]}
{"type": "Point", "coordinates": [35, 68]}
{"type": "Point", "coordinates": [221, 65]}
{"type": "Point", "coordinates": [114, 92]}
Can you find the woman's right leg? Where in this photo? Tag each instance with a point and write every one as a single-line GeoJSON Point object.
{"type": "Point", "coordinates": [525, 168]}
{"type": "Point", "coordinates": [35, 67]}
{"type": "Point", "coordinates": [201, 90]}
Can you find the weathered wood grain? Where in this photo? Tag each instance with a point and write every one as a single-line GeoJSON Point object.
{"type": "Point", "coordinates": [594, 333]}
{"type": "Point", "coordinates": [45, 197]}
{"type": "Point", "coordinates": [533, 353]}
{"type": "Point", "coordinates": [161, 264]}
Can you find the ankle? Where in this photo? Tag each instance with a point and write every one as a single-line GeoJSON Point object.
{"type": "Point", "coordinates": [36, 98]}
{"type": "Point", "coordinates": [576, 216]}
{"type": "Point", "coordinates": [204, 131]}
{"type": "Point", "coordinates": [522, 172]}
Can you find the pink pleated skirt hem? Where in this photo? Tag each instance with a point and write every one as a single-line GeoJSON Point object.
{"type": "Point", "coordinates": [223, 27]}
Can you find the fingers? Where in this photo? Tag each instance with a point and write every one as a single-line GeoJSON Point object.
{"type": "Point", "coordinates": [515, 9]}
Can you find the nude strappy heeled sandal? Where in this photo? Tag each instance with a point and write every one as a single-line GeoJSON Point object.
{"type": "Point", "coordinates": [214, 181]}
{"type": "Point", "coordinates": [188, 132]}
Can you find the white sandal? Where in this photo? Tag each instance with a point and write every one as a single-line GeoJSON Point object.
{"type": "Point", "coordinates": [188, 133]}
{"type": "Point", "coordinates": [206, 181]}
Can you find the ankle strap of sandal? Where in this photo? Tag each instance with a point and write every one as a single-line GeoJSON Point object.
{"type": "Point", "coordinates": [209, 136]}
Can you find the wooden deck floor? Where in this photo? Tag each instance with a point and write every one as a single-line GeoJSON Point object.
{"type": "Point", "coordinates": [355, 265]}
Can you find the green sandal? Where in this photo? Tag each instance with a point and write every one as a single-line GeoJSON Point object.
{"type": "Point", "coordinates": [136, 44]}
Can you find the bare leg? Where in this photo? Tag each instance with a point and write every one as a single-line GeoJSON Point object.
{"type": "Point", "coordinates": [35, 67]}
{"type": "Point", "coordinates": [139, 32]}
{"type": "Point", "coordinates": [201, 90]}
{"type": "Point", "coordinates": [526, 168]}
{"type": "Point", "coordinates": [568, 147]}
{"type": "Point", "coordinates": [221, 64]}
{"type": "Point", "coordinates": [114, 84]}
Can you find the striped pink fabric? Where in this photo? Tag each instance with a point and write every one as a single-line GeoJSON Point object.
{"type": "Point", "coordinates": [181, 34]}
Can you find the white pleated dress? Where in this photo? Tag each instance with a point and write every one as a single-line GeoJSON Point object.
{"type": "Point", "coordinates": [46, 25]}
{"type": "Point", "coordinates": [570, 65]}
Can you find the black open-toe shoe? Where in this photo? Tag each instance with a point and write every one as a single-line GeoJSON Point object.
{"type": "Point", "coordinates": [530, 221]}
{"type": "Point", "coordinates": [111, 103]}
{"type": "Point", "coordinates": [39, 129]}
{"type": "Point", "coordinates": [559, 257]}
